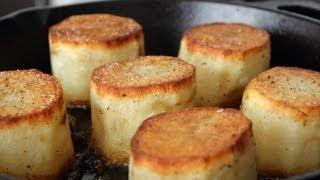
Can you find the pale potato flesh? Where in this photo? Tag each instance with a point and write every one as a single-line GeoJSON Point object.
{"type": "Point", "coordinates": [220, 82]}
{"type": "Point", "coordinates": [116, 119]}
{"type": "Point", "coordinates": [73, 65]}
{"type": "Point", "coordinates": [40, 150]}
{"type": "Point", "coordinates": [284, 144]}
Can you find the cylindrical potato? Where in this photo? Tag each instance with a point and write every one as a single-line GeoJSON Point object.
{"type": "Point", "coordinates": [35, 141]}
{"type": "Point", "coordinates": [124, 94]}
{"type": "Point", "coordinates": [81, 43]}
{"type": "Point", "coordinates": [283, 104]}
{"type": "Point", "coordinates": [197, 143]}
{"type": "Point", "coordinates": [226, 57]}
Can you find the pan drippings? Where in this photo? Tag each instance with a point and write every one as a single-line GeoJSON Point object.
{"type": "Point", "coordinates": [88, 165]}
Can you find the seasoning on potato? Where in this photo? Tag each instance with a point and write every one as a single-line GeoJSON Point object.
{"type": "Point", "coordinates": [126, 93]}
{"type": "Point", "coordinates": [226, 56]}
{"type": "Point", "coordinates": [81, 43]}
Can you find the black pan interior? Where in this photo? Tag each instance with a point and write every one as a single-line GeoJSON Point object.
{"type": "Point", "coordinates": [24, 43]}
{"type": "Point", "coordinates": [295, 41]}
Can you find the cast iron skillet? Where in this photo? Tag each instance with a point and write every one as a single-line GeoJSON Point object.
{"type": "Point", "coordinates": [24, 44]}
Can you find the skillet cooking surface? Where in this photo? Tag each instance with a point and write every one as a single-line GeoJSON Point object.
{"type": "Point", "coordinates": [24, 43]}
{"type": "Point", "coordinates": [295, 41]}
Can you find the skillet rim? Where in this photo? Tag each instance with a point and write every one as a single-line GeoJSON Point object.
{"type": "Point", "coordinates": [22, 11]}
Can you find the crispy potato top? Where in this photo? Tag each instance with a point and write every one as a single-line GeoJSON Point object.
{"type": "Point", "coordinates": [104, 28]}
{"type": "Point", "coordinates": [226, 38]}
{"type": "Point", "coordinates": [26, 92]}
{"type": "Point", "coordinates": [292, 87]}
{"type": "Point", "coordinates": [143, 73]}
{"type": "Point", "coordinates": [190, 137]}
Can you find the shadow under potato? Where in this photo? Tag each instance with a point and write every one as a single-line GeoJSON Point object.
{"type": "Point", "coordinates": [88, 165]}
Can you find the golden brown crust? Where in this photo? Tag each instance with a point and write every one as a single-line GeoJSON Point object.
{"type": "Point", "coordinates": [291, 88]}
{"type": "Point", "coordinates": [27, 94]}
{"type": "Point", "coordinates": [105, 29]}
{"type": "Point", "coordinates": [191, 138]}
{"type": "Point", "coordinates": [142, 75]}
{"type": "Point", "coordinates": [235, 40]}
